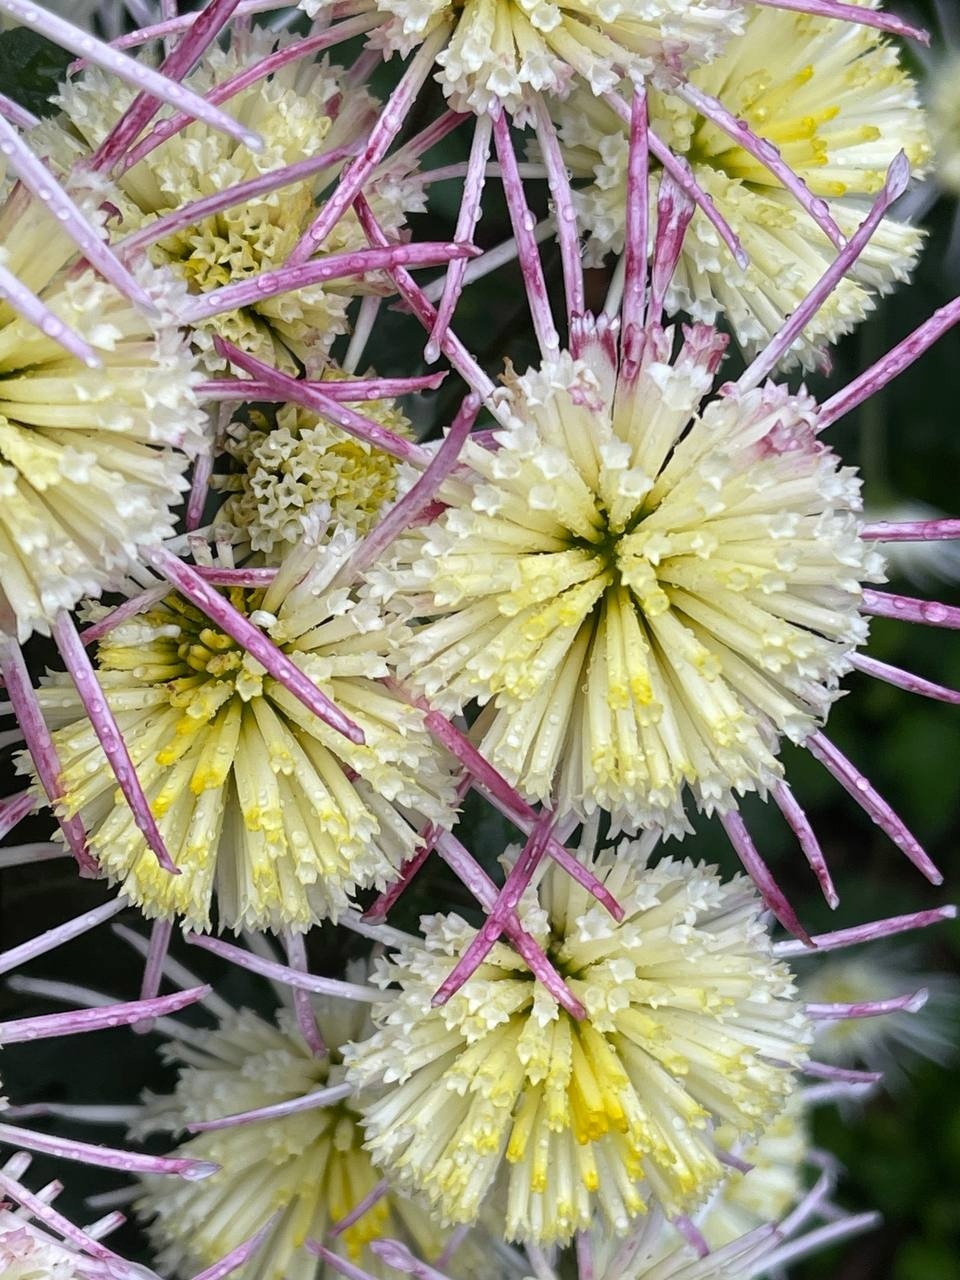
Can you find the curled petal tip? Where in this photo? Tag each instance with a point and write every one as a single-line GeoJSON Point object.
{"type": "Point", "coordinates": [898, 175]}
{"type": "Point", "coordinates": [197, 1170]}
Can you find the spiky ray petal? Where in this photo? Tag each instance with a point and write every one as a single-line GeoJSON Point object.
{"type": "Point", "coordinates": [499, 1088]}
{"type": "Point", "coordinates": [260, 803]}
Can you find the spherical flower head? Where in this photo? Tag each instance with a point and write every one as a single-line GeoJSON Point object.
{"type": "Point", "coordinates": [500, 54]}
{"type": "Point", "coordinates": [309, 1166]}
{"type": "Point", "coordinates": [944, 104]}
{"type": "Point", "coordinates": [302, 110]}
{"type": "Point", "coordinates": [257, 799]}
{"type": "Point", "coordinates": [648, 590]}
{"type": "Point", "coordinates": [835, 101]}
{"type": "Point", "coordinates": [92, 461]}
{"type": "Point", "coordinates": [690, 1022]}
{"type": "Point", "coordinates": [299, 463]}
{"type": "Point", "coordinates": [890, 1043]}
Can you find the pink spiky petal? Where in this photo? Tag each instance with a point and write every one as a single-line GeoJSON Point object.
{"type": "Point", "coordinates": [310, 395]}
{"type": "Point", "coordinates": [898, 176]}
{"type": "Point", "coordinates": [823, 1237]}
{"type": "Point", "coordinates": [773, 896]}
{"type": "Point", "coordinates": [888, 367]}
{"type": "Point", "coordinates": [251, 578]}
{"type": "Point", "coordinates": [79, 1021]}
{"type": "Point", "coordinates": [886, 604]}
{"type": "Point", "coordinates": [296, 950]}
{"type": "Point", "coordinates": [848, 1075]}
{"type": "Point", "coordinates": [876, 930]}
{"type": "Point", "coordinates": [58, 935]}
{"type": "Point", "coordinates": [418, 498]}
{"type": "Point", "coordinates": [105, 1157]}
{"type": "Point", "coordinates": [396, 1254]}
{"type": "Point", "coordinates": [231, 1261]}
{"type": "Point", "coordinates": [911, 1003]}
{"type": "Point", "coordinates": [283, 973]}
{"type": "Point", "coordinates": [373, 1196]}
{"type": "Point", "coordinates": [518, 880]}
{"type": "Point", "coordinates": [584, 1250]}
{"type": "Point", "coordinates": [249, 75]}
{"type": "Point", "coordinates": [426, 313]}
{"type": "Point", "coordinates": [912, 530]}
{"type": "Point", "coordinates": [347, 392]}
{"type": "Point", "coordinates": [137, 604]}
{"type": "Point", "coordinates": [469, 871]}
{"type": "Point", "coordinates": [325, 1097]}
{"type": "Point", "coordinates": [388, 125]}
{"type": "Point", "coordinates": [340, 1265]}
{"type": "Point", "coordinates": [684, 177]}
{"type": "Point", "coordinates": [159, 945]}
{"type": "Point", "coordinates": [522, 221]}
{"type": "Point", "coordinates": [565, 216]}
{"type": "Point", "coordinates": [904, 679]}
{"type": "Point", "coordinates": [872, 803]}
{"type": "Point", "coordinates": [16, 114]}
{"type": "Point", "coordinates": [674, 212]}
{"type": "Point", "coordinates": [37, 736]}
{"type": "Point", "coordinates": [14, 809]}
{"type": "Point", "coordinates": [636, 236]}
{"type": "Point", "coordinates": [124, 68]}
{"type": "Point", "coordinates": [191, 46]}
{"type": "Point", "coordinates": [765, 153]}
{"type": "Point", "coordinates": [219, 610]}
{"type": "Point", "coordinates": [852, 13]}
{"type": "Point", "coordinates": [336, 266]}
{"type": "Point", "coordinates": [108, 733]}
{"type": "Point", "coordinates": [799, 824]}
{"type": "Point", "coordinates": [16, 294]}
{"type": "Point", "coordinates": [467, 220]}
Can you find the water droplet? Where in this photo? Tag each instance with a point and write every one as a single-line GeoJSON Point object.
{"type": "Point", "coordinates": [934, 611]}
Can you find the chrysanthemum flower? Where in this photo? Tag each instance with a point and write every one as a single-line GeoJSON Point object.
{"type": "Point", "coordinates": [300, 462]}
{"type": "Point", "coordinates": [834, 99]}
{"type": "Point", "coordinates": [689, 1021]}
{"type": "Point", "coordinates": [291, 1152]}
{"type": "Point", "coordinates": [91, 460]}
{"type": "Point", "coordinates": [257, 799]}
{"type": "Point", "coordinates": [647, 594]}
{"type": "Point", "coordinates": [309, 115]}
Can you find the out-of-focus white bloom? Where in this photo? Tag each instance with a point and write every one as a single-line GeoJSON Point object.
{"type": "Point", "coordinates": [92, 461]}
{"type": "Point", "coordinates": [258, 800]}
{"type": "Point", "coordinates": [834, 99]}
{"type": "Point", "coordinates": [309, 1166]}
{"type": "Point", "coordinates": [689, 1022]}
{"type": "Point", "coordinates": [301, 463]}
{"type": "Point", "coordinates": [888, 1042]}
{"type": "Point", "coordinates": [301, 111]}
{"type": "Point", "coordinates": [648, 589]}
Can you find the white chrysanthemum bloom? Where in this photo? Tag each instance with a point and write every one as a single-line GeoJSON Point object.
{"type": "Point", "coordinates": [891, 1042]}
{"type": "Point", "coordinates": [257, 799]}
{"type": "Point", "coordinates": [834, 99]}
{"type": "Point", "coordinates": [92, 461]}
{"type": "Point", "coordinates": [498, 53]}
{"type": "Point", "coordinates": [649, 591]}
{"type": "Point", "coordinates": [308, 1166]}
{"type": "Point", "coordinates": [690, 1022]}
{"type": "Point", "coordinates": [288, 468]}
{"type": "Point", "coordinates": [302, 110]}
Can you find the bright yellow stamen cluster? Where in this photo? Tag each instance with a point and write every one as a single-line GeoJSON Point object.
{"type": "Point", "coordinates": [91, 460]}
{"type": "Point", "coordinates": [687, 1014]}
{"type": "Point", "coordinates": [300, 463]}
{"type": "Point", "coordinates": [257, 799]}
{"type": "Point", "coordinates": [301, 111]}
{"type": "Point", "coordinates": [650, 594]}
{"type": "Point", "coordinates": [310, 1166]}
{"type": "Point", "coordinates": [834, 100]}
